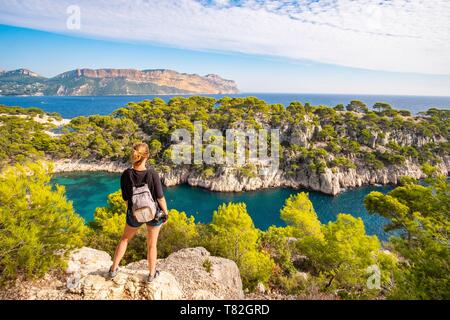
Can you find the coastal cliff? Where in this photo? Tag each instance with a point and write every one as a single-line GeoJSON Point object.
{"type": "Point", "coordinates": [230, 180]}
{"type": "Point", "coordinates": [328, 182]}
{"type": "Point", "coordinates": [92, 82]}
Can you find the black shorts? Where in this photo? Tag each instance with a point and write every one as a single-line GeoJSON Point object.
{"type": "Point", "coordinates": [132, 222]}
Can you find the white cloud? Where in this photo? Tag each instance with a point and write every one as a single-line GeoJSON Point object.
{"type": "Point", "coordinates": [390, 35]}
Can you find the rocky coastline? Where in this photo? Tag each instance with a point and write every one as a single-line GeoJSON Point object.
{"type": "Point", "coordinates": [227, 179]}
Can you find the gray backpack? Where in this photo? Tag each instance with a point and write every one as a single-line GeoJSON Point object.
{"type": "Point", "coordinates": [143, 206]}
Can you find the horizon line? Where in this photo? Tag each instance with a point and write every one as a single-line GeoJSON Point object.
{"type": "Point", "coordinates": [244, 93]}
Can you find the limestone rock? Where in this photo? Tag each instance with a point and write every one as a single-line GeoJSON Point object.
{"type": "Point", "coordinates": [222, 281]}
{"type": "Point", "coordinates": [86, 261]}
{"type": "Point", "coordinates": [228, 179]}
{"type": "Point", "coordinates": [182, 276]}
{"type": "Point", "coordinates": [68, 165]}
{"type": "Point", "coordinates": [330, 181]}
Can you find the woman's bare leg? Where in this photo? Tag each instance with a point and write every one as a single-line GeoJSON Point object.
{"type": "Point", "coordinates": [152, 240]}
{"type": "Point", "coordinates": [128, 234]}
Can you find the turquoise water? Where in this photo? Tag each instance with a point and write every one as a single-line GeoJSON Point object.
{"type": "Point", "coordinates": [90, 190]}
{"type": "Point", "coordinates": [70, 107]}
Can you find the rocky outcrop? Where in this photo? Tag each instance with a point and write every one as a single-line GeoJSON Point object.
{"type": "Point", "coordinates": [228, 179]}
{"type": "Point", "coordinates": [408, 138]}
{"type": "Point", "coordinates": [183, 275]}
{"type": "Point", "coordinates": [330, 181]}
{"type": "Point", "coordinates": [113, 82]}
{"type": "Point", "coordinates": [193, 83]}
{"type": "Point", "coordinates": [68, 165]}
{"type": "Point", "coordinates": [20, 72]}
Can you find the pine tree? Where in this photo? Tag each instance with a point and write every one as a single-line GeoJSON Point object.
{"type": "Point", "coordinates": [420, 214]}
{"type": "Point", "coordinates": [38, 226]}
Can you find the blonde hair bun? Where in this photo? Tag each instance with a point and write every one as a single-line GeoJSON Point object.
{"type": "Point", "coordinates": [139, 154]}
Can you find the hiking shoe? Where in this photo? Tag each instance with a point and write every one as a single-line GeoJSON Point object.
{"type": "Point", "coordinates": [114, 273]}
{"type": "Point", "coordinates": [151, 278]}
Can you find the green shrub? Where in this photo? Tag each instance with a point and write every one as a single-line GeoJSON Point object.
{"type": "Point", "coordinates": [275, 241]}
{"type": "Point", "coordinates": [179, 232]}
{"type": "Point", "coordinates": [38, 226]}
{"type": "Point", "coordinates": [420, 213]}
{"type": "Point", "coordinates": [248, 171]}
{"type": "Point", "coordinates": [255, 267]}
{"type": "Point", "coordinates": [207, 264]}
{"type": "Point", "coordinates": [339, 252]}
{"type": "Point", "coordinates": [294, 284]}
{"type": "Point", "coordinates": [232, 231]}
{"type": "Point", "coordinates": [208, 173]}
{"type": "Point", "coordinates": [233, 235]}
{"type": "Point", "coordinates": [343, 162]}
{"type": "Point", "coordinates": [299, 213]}
{"type": "Point", "coordinates": [343, 258]}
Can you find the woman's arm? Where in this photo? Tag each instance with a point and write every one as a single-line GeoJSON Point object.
{"type": "Point", "coordinates": [163, 205]}
{"type": "Point", "coordinates": [159, 193]}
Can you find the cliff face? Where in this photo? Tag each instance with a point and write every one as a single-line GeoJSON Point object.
{"type": "Point", "coordinates": [113, 82]}
{"type": "Point", "coordinates": [329, 182]}
{"type": "Point", "coordinates": [182, 277]}
{"type": "Point", "coordinates": [229, 180]}
{"type": "Point", "coordinates": [20, 72]}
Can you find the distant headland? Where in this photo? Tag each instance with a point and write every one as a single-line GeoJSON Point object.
{"type": "Point", "coordinates": [96, 82]}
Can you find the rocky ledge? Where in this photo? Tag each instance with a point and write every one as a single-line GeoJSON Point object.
{"type": "Point", "coordinates": [68, 165]}
{"type": "Point", "coordinates": [227, 179]}
{"type": "Point", "coordinates": [183, 275]}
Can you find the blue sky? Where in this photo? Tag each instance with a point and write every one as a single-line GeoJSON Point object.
{"type": "Point", "coordinates": [265, 46]}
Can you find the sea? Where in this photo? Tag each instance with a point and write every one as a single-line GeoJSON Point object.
{"type": "Point", "coordinates": [70, 107]}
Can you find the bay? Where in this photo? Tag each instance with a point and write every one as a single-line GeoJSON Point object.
{"type": "Point", "coordinates": [89, 190]}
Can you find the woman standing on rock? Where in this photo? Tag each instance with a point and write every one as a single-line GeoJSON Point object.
{"type": "Point", "coordinates": [142, 190]}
